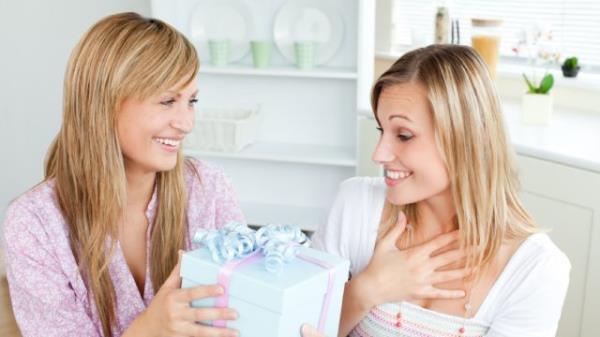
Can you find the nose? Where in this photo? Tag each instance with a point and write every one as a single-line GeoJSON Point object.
{"type": "Point", "coordinates": [382, 153]}
{"type": "Point", "coordinates": [184, 121]}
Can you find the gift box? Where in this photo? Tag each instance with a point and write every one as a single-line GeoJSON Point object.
{"type": "Point", "coordinates": [308, 288]}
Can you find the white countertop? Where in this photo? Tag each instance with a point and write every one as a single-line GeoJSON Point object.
{"type": "Point", "coordinates": [571, 138]}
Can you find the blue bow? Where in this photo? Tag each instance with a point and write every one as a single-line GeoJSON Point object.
{"type": "Point", "coordinates": [278, 243]}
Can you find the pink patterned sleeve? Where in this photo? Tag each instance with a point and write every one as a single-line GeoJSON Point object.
{"type": "Point", "coordinates": [212, 200]}
{"type": "Point", "coordinates": [227, 206]}
{"type": "Point", "coordinates": [43, 300]}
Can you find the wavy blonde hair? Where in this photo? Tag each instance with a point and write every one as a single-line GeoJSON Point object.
{"type": "Point", "coordinates": [470, 136]}
{"type": "Point", "coordinates": [122, 56]}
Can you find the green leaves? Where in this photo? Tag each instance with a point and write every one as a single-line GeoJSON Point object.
{"type": "Point", "coordinates": [546, 84]}
{"type": "Point", "coordinates": [571, 62]}
{"type": "Point", "coordinates": [544, 87]}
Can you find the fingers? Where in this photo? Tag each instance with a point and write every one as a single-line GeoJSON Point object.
{"type": "Point", "coordinates": [191, 294]}
{"type": "Point", "coordinates": [437, 293]}
{"type": "Point", "coordinates": [308, 331]}
{"type": "Point", "coordinates": [447, 258]}
{"type": "Point", "coordinates": [451, 275]}
{"type": "Point", "coordinates": [199, 330]}
{"type": "Point", "coordinates": [174, 280]}
{"type": "Point", "coordinates": [439, 242]}
{"type": "Point", "coordinates": [390, 238]}
{"type": "Point", "coordinates": [209, 314]}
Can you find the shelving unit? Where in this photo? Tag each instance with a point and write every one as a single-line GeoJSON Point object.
{"type": "Point", "coordinates": [288, 153]}
{"type": "Point", "coordinates": [332, 73]}
{"type": "Point", "coordinates": [307, 137]}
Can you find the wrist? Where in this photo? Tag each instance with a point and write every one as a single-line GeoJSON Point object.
{"type": "Point", "coordinates": [136, 328]}
{"type": "Point", "coordinates": [364, 291]}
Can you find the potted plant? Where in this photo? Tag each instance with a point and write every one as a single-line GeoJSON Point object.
{"type": "Point", "coordinates": [536, 107]}
{"type": "Point", "coordinates": [536, 45]}
{"type": "Point", "coordinates": [570, 67]}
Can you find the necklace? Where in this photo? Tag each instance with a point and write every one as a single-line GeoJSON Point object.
{"type": "Point", "coordinates": [468, 306]}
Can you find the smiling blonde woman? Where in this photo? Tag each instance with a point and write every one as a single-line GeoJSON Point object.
{"type": "Point", "coordinates": [93, 249]}
{"type": "Point", "coordinates": [442, 245]}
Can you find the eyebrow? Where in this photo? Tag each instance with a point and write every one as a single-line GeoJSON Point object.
{"type": "Point", "coordinates": [178, 94]}
{"type": "Point", "coordinates": [399, 116]}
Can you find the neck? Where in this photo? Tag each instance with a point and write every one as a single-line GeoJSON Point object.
{"type": "Point", "coordinates": [436, 215]}
{"type": "Point", "coordinates": [140, 186]}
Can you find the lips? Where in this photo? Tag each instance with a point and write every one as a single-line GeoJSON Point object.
{"type": "Point", "coordinates": [393, 177]}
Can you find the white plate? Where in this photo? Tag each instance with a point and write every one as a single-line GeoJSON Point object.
{"type": "Point", "coordinates": [309, 20]}
{"type": "Point", "coordinates": [220, 19]}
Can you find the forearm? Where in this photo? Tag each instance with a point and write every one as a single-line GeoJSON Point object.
{"type": "Point", "coordinates": [136, 328]}
{"type": "Point", "coordinates": [355, 305]}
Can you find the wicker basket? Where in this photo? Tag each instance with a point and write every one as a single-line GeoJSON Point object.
{"type": "Point", "coordinates": [221, 129]}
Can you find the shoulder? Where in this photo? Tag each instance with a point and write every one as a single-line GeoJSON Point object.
{"type": "Point", "coordinates": [34, 225]}
{"type": "Point", "coordinates": [365, 193]}
{"type": "Point", "coordinates": [537, 273]}
{"type": "Point", "coordinates": [539, 252]}
{"type": "Point", "coordinates": [208, 177]}
{"type": "Point", "coordinates": [352, 224]}
{"type": "Point", "coordinates": [35, 210]}
{"type": "Point", "coordinates": [532, 290]}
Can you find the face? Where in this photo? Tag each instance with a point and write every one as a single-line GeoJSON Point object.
{"type": "Point", "coordinates": [414, 169]}
{"type": "Point", "coordinates": [151, 131]}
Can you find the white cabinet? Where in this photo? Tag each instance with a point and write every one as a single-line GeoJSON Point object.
{"type": "Point", "coordinates": [566, 200]}
{"type": "Point", "coordinates": [306, 143]}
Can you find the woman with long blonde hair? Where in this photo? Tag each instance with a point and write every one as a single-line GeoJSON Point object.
{"type": "Point", "coordinates": [93, 249]}
{"type": "Point", "coordinates": [442, 245]}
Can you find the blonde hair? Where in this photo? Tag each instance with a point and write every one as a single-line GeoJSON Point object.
{"type": "Point", "coordinates": [470, 135]}
{"type": "Point", "coordinates": [122, 56]}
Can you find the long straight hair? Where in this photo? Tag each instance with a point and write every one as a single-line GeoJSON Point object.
{"type": "Point", "coordinates": [123, 55]}
{"type": "Point", "coordinates": [471, 138]}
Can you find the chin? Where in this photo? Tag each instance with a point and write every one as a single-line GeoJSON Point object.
{"type": "Point", "coordinates": [400, 200]}
{"type": "Point", "coordinates": [164, 166]}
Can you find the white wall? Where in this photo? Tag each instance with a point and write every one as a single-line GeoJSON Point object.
{"type": "Point", "coordinates": [36, 39]}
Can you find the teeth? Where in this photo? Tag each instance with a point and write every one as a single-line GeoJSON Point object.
{"type": "Point", "coordinates": [397, 174]}
{"type": "Point", "coordinates": [166, 141]}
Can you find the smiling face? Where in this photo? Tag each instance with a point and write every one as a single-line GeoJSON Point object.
{"type": "Point", "coordinates": [414, 168]}
{"type": "Point", "coordinates": [150, 131]}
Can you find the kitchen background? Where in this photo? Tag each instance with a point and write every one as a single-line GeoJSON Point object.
{"type": "Point", "coordinates": [284, 102]}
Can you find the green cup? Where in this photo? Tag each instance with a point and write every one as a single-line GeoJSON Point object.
{"type": "Point", "coordinates": [261, 53]}
{"type": "Point", "coordinates": [305, 54]}
{"type": "Point", "coordinates": [219, 51]}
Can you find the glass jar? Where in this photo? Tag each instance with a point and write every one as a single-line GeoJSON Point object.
{"type": "Point", "coordinates": [485, 39]}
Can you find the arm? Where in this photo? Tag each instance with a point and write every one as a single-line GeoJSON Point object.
{"type": "Point", "coordinates": [43, 300]}
{"type": "Point", "coordinates": [355, 305]}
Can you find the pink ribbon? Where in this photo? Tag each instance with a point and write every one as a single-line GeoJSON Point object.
{"type": "Point", "coordinates": [227, 269]}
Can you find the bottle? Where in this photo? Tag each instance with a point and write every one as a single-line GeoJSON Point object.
{"type": "Point", "coordinates": [442, 25]}
{"type": "Point", "coordinates": [485, 39]}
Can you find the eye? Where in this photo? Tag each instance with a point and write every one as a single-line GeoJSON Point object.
{"type": "Point", "coordinates": [168, 102]}
{"type": "Point", "coordinates": [405, 136]}
{"type": "Point", "coordinates": [193, 101]}
{"type": "Point", "coordinates": [380, 130]}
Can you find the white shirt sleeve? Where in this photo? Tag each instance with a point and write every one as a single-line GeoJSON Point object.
{"type": "Point", "coordinates": [348, 232]}
{"type": "Point", "coordinates": [533, 309]}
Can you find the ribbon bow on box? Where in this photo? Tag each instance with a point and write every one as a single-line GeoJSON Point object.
{"type": "Point", "coordinates": [278, 243]}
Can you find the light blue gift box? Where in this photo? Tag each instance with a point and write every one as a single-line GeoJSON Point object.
{"type": "Point", "coordinates": [274, 304]}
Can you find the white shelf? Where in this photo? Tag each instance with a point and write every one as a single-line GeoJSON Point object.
{"type": "Point", "coordinates": [306, 217]}
{"type": "Point", "coordinates": [317, 72]}
{"type": "Point", "coordinates": [288, 153]}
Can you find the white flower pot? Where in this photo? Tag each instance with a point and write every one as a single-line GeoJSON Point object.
{"type": "Point", "coordinates": [536, 108]}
